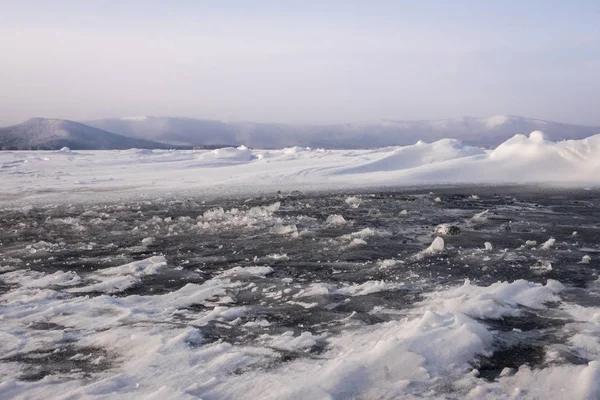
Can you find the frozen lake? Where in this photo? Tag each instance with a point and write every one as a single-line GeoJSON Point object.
{"type": "Point", "coordinates": [305, 296]}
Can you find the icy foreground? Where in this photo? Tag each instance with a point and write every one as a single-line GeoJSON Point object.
{"type": "Point", "coordinates": [78, 175]}
{"type": "Point", "coordinates": [296, 297]}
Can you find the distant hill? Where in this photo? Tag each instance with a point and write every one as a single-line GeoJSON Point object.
{"type": "Point", "coordinates": [485, 132]}
{"type": "Point", "coordinates": [53, 134]}
{"type": "Point", "coordinates": [169, 132]}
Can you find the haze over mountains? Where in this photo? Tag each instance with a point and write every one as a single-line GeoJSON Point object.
{"type": "Point", "coordinates": [169, 132]}
{"type": "Point", "coordinates": [53, 134]}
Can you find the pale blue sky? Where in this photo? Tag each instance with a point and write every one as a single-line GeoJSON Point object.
{"type": "Point", "coordinates": [300, 61]}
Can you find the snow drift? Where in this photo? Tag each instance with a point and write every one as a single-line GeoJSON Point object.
{"type": "Point", "coordinates": [521, 159]}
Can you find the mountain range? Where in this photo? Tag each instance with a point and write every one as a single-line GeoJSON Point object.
{"type": "Point", "coordinates": [53, 134]}
{"type": "Point", "coordinates": [172, 132]}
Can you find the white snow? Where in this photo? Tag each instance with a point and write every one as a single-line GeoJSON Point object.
{"type": "Point", "coordinates": [117, 279]}
{"type": "Point", "coordinates": [287, 341]}
{"type": "Point", "coordinates": [162, 350]}
{"type": "Point", "coordinates": [38, 175]}
{"type": "Point", "coordinates": [160, 356]}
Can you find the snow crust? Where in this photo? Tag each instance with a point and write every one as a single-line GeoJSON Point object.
{"type": "Point", "coordinates": [83, 174]}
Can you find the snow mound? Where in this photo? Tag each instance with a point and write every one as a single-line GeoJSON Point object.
{"type": "Point", "coordinates": [292, 151]}
{"type": "Point", "coordinates": [232, 154]}
{"type": "Point", "coordinates": [401, 158]}
{"type": "Point", "coordinates": [231, 170]}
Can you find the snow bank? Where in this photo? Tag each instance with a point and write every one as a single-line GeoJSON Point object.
{"type": "Point", "coordinates": [236, 170]}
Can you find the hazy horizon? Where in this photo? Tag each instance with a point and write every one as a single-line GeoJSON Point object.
{"type": "Point", "coordinates": [137, 117]}
{"type": "Point", "coordinates": [309, 63]}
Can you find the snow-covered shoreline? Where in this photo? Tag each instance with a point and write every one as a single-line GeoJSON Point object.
{"type": "Point", "coordinates": [38, 176]}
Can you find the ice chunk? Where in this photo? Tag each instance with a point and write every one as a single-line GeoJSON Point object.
{"type": "Point", "coordinates": [287, 341]}
{"type": "Point", "coordinates": [335, 220]}
{"type": "Point", "coordinates": [437, 246]}
{"type": "Point", "coordinates": [246, 272]}
{"type": "Point", "coordinates": [362, 235]}
{"type": "Point", "coordinates": [149, 241]}
{"type": "Point", "coordinates": [357, 242]}
{"type": "Point", "coordinates": [542, 267]}
{"type": "Point", "coordinates": [353, 201]}
{"type": "Point", "coordinates": [368, 288]}
{"type": "Point", "coordinates": [314, 290]}
{"type": "Point", "coordinates": [479, 218]}
{"type": "Point", "coordinates": [548, 244]}
{"type": "Point", "coordinates": [383, 264]}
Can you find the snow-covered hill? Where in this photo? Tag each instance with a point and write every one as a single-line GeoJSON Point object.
{"type": "Point", "coordinates": [486, 132]}
{"type": "Point", "coordinates": [165, 132]}
{"type": "Point", "coordinates": [49, 134]}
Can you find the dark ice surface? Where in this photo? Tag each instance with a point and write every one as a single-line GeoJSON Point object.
{"type": "Point", "coordinates": [88, 237]}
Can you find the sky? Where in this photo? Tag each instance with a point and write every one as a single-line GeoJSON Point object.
{"type": "Point", "coordinates": [315, 62]}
